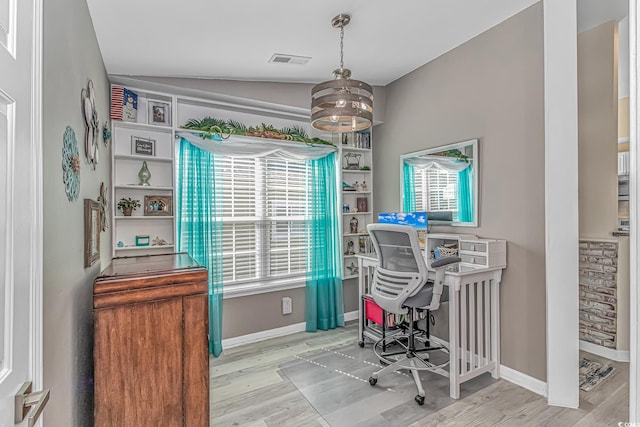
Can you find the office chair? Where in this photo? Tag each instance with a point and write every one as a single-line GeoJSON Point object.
{"type": "Point", "coordinates": [400, 285]}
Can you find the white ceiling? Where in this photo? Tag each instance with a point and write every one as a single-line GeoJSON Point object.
{"type": "Point", "coordinates": [235, 39]}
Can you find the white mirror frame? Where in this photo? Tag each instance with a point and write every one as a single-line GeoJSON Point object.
{"type": "Point", "coordinates": [476, 175]}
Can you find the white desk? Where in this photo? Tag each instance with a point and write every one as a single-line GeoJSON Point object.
{"type": "Point", "coordinates": [474, 320]}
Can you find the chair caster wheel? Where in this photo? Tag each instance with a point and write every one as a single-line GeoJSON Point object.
{"type": "Point", "coordinates": [373, 381]}
{"type": "Point", "coordinates": [361, 344]}
{"type": "Point", "coordinates": [418, 398]}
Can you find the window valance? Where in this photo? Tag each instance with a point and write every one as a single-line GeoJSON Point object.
{"type": "Point", "coordinates": [434, 162]}
{"type": "Point", "coordinates": [252, 147]}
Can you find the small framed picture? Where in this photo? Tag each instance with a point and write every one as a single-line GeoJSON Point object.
{"type": "Point", "coordinates": [158, 205]}
{"type": "Point", "coordinates": [159, 113]}
{"type": "Point", "coordinates": [363, 204]}
{"type": "Point", "coordinates": [142, 240]}
{"type": "Point", "coordinates": [143, 146]}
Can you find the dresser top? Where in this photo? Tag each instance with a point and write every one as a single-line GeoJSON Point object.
{"type": "Point", "coordinates": [149, 265]}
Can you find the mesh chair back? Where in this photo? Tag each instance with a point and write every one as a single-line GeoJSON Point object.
{"type": "Point", "coordinates": [401, 270]}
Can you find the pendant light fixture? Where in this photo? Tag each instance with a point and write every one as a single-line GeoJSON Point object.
{"type": "Point", "coordinates": [341, 104]}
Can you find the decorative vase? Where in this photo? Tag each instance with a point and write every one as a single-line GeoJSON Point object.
{"type": "Point", "coordinates": [128, 211]}
{"type": "Point", "coordinates": [144, 174]}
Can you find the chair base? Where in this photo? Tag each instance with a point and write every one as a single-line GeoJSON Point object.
{"type": "Point", "coordinates": [404, 354]}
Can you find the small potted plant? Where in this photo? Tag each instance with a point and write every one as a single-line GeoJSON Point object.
{"type": "Point", "coordinates": [128, 205]}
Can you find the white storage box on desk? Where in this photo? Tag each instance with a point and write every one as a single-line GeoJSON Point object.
{"type": "Point", "coordinates": [483, 252]}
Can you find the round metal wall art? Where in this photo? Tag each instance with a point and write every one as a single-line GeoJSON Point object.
{"type": "Point", "coordinates": [70, 164]}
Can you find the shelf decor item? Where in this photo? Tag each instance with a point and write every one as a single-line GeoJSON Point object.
{"type": "Point", "coordinates": [353, 225]}
{"type": "Point", "coordinates": [349, 250]}
{"type": "Point", "coordinates": [353, 161]}
{"type": "Point", "coordinates": [159, 113]}
{"type": "Point", "coordinates": [158, 205]}
{"type": "Point", "coordinates": [363, 204]}
{"type": "Point", "coordinates": [347, 187]}
{"type": "Point", "coordinates": [129, 106]}
{"type": "Point", "coordinates": [128, 205]}
{"type": "Point", "coordinates": [70, 164]}
{"type": "Point", "coordinates": [144, 175]}
{"type": "Point", "coordinates": [341, 104]}
{"type": "Point", "coordinates": [159, 242]}
{"type": "Point", "coordinates": [143, 146]}
{"type": "Point", "coordinates": [142, 240]}
{"type": "Point", "coordinates": [124, 104]}
{"type": "Point", "coordinates": [91, 232]}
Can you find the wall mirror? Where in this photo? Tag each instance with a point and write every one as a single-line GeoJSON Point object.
{"type": "Point", "coordinates": [443, 181]}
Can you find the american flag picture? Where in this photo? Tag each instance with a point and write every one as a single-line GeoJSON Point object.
{"type": "Point", "coordinates": [117, 96]}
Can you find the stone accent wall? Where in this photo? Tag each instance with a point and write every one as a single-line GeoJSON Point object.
{"type": "Point", "coordinates": [598, 293]}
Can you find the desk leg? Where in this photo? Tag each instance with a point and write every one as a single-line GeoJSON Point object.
{"type": "Point", "coordinates": [361, 284]}
{"type": "Point", "coordinates": [454, 344]}
{"type": "Point", "coordinates": [495, 327]}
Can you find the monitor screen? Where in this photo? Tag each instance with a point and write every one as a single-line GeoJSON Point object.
{"type": "Point", "coordinates": [417, 220]}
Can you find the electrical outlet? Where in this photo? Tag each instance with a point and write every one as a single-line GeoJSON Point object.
{"type": "Point", "coordinates": [286, 305]}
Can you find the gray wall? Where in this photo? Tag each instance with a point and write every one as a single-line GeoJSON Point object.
{"type": "Point", "coordinates": [489, 88]}
{"type": "Point", "coordinates": [598, 130]}
{"type": "Point", "coordinates": [71, 57]}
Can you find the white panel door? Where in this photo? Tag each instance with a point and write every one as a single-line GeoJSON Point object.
{"type": "Point", "coordinates": [20, 201]}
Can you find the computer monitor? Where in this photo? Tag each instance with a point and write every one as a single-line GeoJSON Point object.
{"type": "Point", "coordinates": [417, 220]}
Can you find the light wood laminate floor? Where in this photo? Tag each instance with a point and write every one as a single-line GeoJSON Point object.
{"type": "Point", "coordinates": [249, 389]}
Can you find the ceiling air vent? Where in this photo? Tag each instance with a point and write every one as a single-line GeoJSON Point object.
{"type": "Point", "coordinates": [281, 58]}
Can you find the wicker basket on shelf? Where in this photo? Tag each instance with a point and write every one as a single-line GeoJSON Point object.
{"type": "Point", "coordinates": [445, 252]}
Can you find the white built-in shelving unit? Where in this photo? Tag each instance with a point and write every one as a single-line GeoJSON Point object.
{"type": "Point", "coordinates": [125, 167]}
{"type": "Point", "coordinates": [357, 202]}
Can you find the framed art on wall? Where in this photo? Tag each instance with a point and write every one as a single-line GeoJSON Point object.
{"type": "Point", "coordinates": [92, 227]}
{"type": "Point", "coordinates": [159, 113]}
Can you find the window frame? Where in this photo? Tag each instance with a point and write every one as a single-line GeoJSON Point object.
{"type": "Point", "coordinates": [264, 224]}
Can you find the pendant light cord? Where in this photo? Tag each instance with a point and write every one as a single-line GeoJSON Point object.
{"type": "Point", "coordinates": [341, 47]}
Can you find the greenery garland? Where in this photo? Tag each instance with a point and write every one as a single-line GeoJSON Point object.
{"type": "Point", "coordinates": [224, 129]}
{"type": "Point", "coordinates": [453, 153]}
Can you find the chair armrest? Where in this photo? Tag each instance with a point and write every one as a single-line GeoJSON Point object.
{"type": "Point", "coordinates": [445, 261]}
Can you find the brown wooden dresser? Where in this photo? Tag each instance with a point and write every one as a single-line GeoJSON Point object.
{"type": "Point", "coordinates": [151, 350]}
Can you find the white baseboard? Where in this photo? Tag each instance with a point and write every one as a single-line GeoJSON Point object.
{"type": "Point", "coordinates": [264, 335]}
{"type": "Point", "coordinates": [523, 380]}
{"type": "Point", "coordinates": [352, 315]}
{"type": "Point", "coordinates": [277, 332]}
{"type": "Point", "coordinates": [609, 353]}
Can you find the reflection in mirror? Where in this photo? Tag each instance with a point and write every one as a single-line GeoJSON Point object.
{"type": "Point", "coordinates": [442, 181]}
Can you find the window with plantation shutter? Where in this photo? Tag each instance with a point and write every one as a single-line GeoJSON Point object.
{"type": "Point", "coordinates": [264, 207]}
{"type": "Point", "coordinates": [436, 190]}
